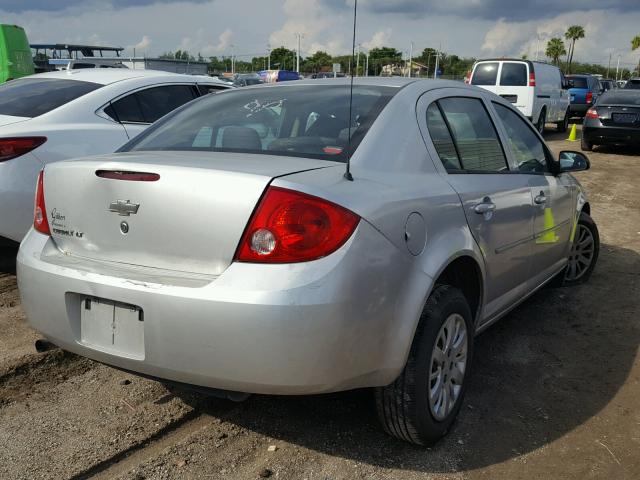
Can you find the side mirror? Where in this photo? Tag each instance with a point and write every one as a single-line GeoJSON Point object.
{"type": "Point", "coordinates": [573, 162]}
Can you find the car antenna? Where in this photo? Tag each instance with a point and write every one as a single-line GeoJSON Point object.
{"type": "Point", "coordinates": [347, 174]}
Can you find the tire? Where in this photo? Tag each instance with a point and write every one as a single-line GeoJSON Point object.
{"type": "Point", "coordinates": [563, 126]}
{"type": "Point", "coordinates": [405, 407]}
{"type": "Point", "coordinates": [586, 246]}
{"type": "Point", "coordinates": [542, 120]}
{"type": "Point", "coordinates": [585, 145]}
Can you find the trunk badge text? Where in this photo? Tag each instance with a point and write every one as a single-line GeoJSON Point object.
{"type": "Point", "coordinates": [124, 208]}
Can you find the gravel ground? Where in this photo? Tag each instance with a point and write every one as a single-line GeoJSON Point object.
{"type": "Point", "coordinates": [553, 394]}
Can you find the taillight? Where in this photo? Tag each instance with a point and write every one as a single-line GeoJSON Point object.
{"type": "Point", "coordinates": [290, 226]}
{"type": "Point", "coordinates": [14, 147]}
{"type": "Point", "coordinates": [589, 97]}
{"type": "Point", "coordinates": [40, 221]}
{"type": "Point", "coordinates": [592, 113]}
{"type": "Point", "coordinates": [532, 78]}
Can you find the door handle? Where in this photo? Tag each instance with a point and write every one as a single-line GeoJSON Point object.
{"type": "Point", "coordinates": [485, 207]}
{"type": "Point", "coordinates": [540, 199]}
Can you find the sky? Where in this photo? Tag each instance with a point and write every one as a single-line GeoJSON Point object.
{"type": "Point", "coordinates": [478, 28]}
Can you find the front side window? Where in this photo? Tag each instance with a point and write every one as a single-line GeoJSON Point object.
{"type": "Point", "coordinates": [485, 74]}
{"type": "Point", "coordinates": [529, 151]}
{"type": "Point", "coordinates": [514, 75]}
{"type": "Point", "coordinates": [295, 120]}
{"type": "Point", "coordinates": [475, 137]}
{"type": "Point", "coordinates": [30, 97]}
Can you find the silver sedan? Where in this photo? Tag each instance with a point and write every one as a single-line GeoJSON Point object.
{"type": "Point", "coordinates": [228, 246]}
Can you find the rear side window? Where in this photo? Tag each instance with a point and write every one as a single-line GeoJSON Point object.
{"type": "Point", "coordinates": [441, 137]}
{"type": "Point", "coordinates": [514, 75]}
{"type": "Point", "coordinates": [485, 74]}
{"type": "Point", "coordinates": [619, 97]}
{"type": "Point", "coordinates": [207, 88]}
{"type": "Point", "coordinates": [147, 106]}
{"type": "Point", "coordinates": [474, 135]}
{"type": "Point", "coordinates": [34, 97]}
{"type": "Point", "coordinates": [633, 85]}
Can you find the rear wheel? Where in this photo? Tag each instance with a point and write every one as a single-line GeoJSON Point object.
{"type": "Point", "coordinates": [585, 145]}
{"type": "Point", "coordinates": [564, 124]}
{"type": "Point", "coordinates": [542, 120]}
{"type": "Point", "coordinates": [584, 252]}
{"type": "Point", "coordinates": [422, 403]}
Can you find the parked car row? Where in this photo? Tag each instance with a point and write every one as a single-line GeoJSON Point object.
{"type": "Point", "coordinates": [295, 238]}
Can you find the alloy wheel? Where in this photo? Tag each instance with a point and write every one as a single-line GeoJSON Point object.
{"type": "Point", "coordinates": [582, 252]}
{"type": "Point", "coordinates": [448, 366]}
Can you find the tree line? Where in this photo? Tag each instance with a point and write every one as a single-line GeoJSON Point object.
{"type": "Point", "coordinates": [449, 65]}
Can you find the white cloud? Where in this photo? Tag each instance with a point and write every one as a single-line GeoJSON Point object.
{"type": "Point", "coordinates": [379, 39]}
{"type": "Point", "coordinates": [142, 46]}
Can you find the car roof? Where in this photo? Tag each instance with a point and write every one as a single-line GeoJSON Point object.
{"type": "Point", "coordinates": [106, 76]}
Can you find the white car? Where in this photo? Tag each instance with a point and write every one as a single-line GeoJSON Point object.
{"type": "Point", "coordinates": [59, 115]}
{"type": "Point", "coordinates": [539, 90]}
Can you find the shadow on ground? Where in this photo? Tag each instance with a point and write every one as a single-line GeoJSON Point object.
{"type": "Point", "coordinates": [551, 365]}
{"type": "Point", "coordinates": [8, 252]}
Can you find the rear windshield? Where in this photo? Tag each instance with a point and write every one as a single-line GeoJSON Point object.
{"type": "Point", "coordinates": [579, 82]}
{"type": "Point", "coordinates": [485, 74]}
{"type": "Point", "coordinates": [302, 120]}
{"type": "Point", "coordinates": [514, 75]}
{"type": "Point", "coordinates": [619, 98]}
{"type": "Point", "coordinates": [31, 97]}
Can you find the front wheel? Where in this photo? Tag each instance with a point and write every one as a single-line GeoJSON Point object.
{"type": "Point", "coordinates": [584, 251]}
{"type": "Point", "coordinates": [422, 403]}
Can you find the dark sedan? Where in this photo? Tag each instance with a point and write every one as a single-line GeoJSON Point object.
{"type": "Point", "coordinates": [614, 120]}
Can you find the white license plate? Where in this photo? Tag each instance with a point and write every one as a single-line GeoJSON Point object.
{"type": "Point", "coordinates": [112, 327]}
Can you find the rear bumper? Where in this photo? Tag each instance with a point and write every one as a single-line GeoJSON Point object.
{"type": "Point", "coordinates": [579, 109]}
{"type": "Point", "coordinates": [314, 327]}
{"type": "Point", "coordinates": [611, 135]}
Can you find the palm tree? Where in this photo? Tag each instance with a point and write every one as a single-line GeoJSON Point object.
{"type": "Point", "coordinates": [555, 49]}
{"type": "Point", "coordinates": [573, 33]}
{"type": "Point", "coordinates": [635, 44]}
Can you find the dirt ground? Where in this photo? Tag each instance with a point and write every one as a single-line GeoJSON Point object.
{"type": "Point", "coordinates": [554, 393]}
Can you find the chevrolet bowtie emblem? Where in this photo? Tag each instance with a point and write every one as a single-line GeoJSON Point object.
{"type": "Point", "coordinates": [124, 208]}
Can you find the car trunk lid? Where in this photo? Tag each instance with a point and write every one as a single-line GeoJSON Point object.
{"type": "Point", "coordinates": [619, 116]}
{"type": "Point", "coordinates": [182, 211]}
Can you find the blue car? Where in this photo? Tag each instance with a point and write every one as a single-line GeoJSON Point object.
{"type": "Point", "coordinates": [583, 94]}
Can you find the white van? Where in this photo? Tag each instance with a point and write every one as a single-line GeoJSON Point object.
{"type": "Point", "coordinates": [537, 89]}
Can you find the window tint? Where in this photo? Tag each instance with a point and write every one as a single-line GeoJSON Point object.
{"type": "Point", "coordinates": [303, 120]}
{"type": "Point", "coordinates": [633, 84]}
{"type": "Point", "coordinates": [579, 82]}
{"type": "Point", "coordinates": [34, 97]}
{"type": "Point", "coordinates": [147, 106]}
{"type": "Point", "coordinates": [529, 151]}
{"type": "Point", "coordinates": [441, 138]}
{"type": "Point", "coordinates": [207, 88]}
{"type": "Point", "coordinates": [485, 74]}
{"type": "Point", "coordinates": [474, 135]}
{"type": "Point", "coordinates": [514, 75]}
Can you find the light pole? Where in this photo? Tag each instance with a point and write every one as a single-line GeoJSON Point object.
{"type": "Point", "coordinates": [299, 35]}
{"type": "Point", "coordinates": [269, 56]}
{"type": "Point", "coordinates": [233, 59]}
{"type": "Point", "coordinates": [366, 72]}
{"type": "Point", "coordinates": [410, 59]}
{"type": "Point", "coordinates": [609, 65]}
{"type": "Point", "coordinates": [618, 67]}
{"type": "Point", "coordinates": [435, 70]}
{"type": "Point", "coordinates": [357, 61]}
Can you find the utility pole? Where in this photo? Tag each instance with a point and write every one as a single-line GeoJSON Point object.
{"type": "Point", "coordinates": [410, 59]}
{"type": "Point", "coordinates": [366, 72]}
{"type": "Point", "coordinates": [269, 56]}
{"type": "Point", "coordinates": [618, 67]}
{"type": "Point", "coordinates": [233, 59]}
{"type": "Point", "coordinates": [357, 60]}
{"type": "Point", "coordinates": [609, 66]}
{"type": "Point", "coordinates": [435, 70]}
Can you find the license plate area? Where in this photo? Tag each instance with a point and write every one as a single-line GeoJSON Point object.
{"type": "Point", "coordinates": [112, 327]}
{"type": "Point", "coordinates": [624, 117]}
